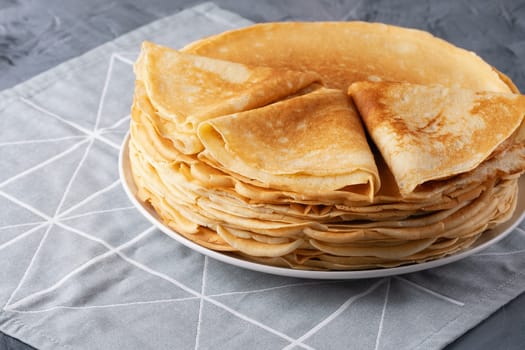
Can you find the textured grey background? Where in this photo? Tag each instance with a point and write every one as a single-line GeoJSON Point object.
{"type": "Point", "coordinates": [37, 35]}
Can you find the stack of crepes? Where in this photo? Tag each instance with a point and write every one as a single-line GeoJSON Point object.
{"type": "Point", "coordinates": [296, 165]}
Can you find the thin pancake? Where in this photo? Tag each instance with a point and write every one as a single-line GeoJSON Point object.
{"type": "Point", "coordinates": [187, 89]}
{"type": "Point", "coordinates": [345, 52]}
{"type": "Point", "coordinates": [307, 144]}
{"type": "Point", "coordinates": [433, 132]}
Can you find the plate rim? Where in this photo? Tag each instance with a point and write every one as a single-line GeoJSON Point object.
{"type": "Point", "coordinates": [127, 183]}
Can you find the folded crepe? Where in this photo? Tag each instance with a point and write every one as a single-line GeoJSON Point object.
{"type": "Point", "coordinates": [187, 89]}
{"type": "Point", "coordinates": [311, 143]}
{"type": "Point", "coordinates": [433, 132]}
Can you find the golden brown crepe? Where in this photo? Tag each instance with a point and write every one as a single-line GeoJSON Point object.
{"type": "Point", "coordinates": [431, 132]}
{"type": "Point", "coordinates": [187, 89]}
{"type": "Point", "coordinates": [346, 52]}
{"type": "Point", "coordinates": [308, 144]}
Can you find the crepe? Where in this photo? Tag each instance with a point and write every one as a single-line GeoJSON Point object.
{"type": "Point", "coordinates": [187, 89]}
{"type": "Point", "coordinates": [432, 132]}
{"type": "Point", "coordinates": [308, 144]}
{"type": "Point", "coordinates": [346, 52]}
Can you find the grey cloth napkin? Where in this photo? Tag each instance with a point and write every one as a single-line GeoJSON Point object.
{"type": "Point", "coordinates": [80, 268]}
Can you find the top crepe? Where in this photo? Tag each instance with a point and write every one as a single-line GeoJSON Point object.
{"type": "Point", "coordinates": [346, 52]}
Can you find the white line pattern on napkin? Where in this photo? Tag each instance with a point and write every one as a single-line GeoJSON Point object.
{"type": "Point", "coordinates": [335, 314]}
{"type": "Point", "coordinates": [70, 123]}
{"type": "Point", "coordinates": [201, 301]}
{"type": "Point", "coordinates": [90, 197]}
{"type": "Point", "coordinates": [31, 262]}
{"type": "Point", "coordinates": [90, 307]}
{"type": "Point", "coordinates": [431, 292]}
{"type": "Point", "coordinates": [89, 213]}
{"type": "Point", "coordinates": [385, 304]}
{"type": "Point", "coordinates": [46, 162]}
{"type": "Point", "coordinates": [12, 143]}
{"type": "Point", "coordinates": [22, 236]}
{"type": "Point", "coordinates": [124, 59]}
{"type": "Point", "coordinates": [82, 267]}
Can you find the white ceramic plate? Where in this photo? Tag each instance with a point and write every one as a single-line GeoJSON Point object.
{"type": "Point", "coordinates": [489, 238]}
